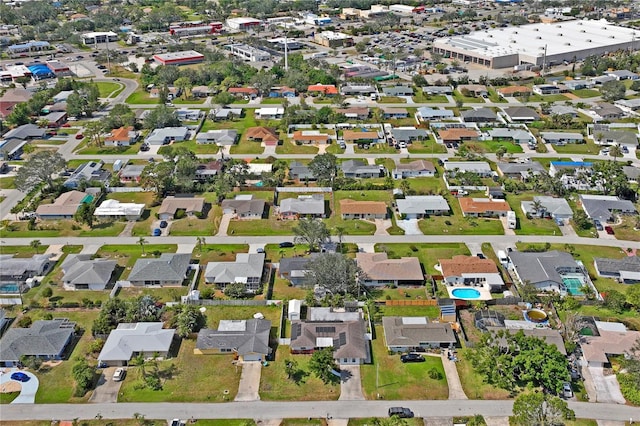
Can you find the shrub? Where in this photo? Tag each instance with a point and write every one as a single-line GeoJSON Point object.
{"type": "Point", "coordinates": [47, 292]}
{"type": "Point", "coordinates": [25, 321]}
{"type": "Point", "coordinates": [434, 374]}
{"type": "Point", "coordinates": [179, 214]}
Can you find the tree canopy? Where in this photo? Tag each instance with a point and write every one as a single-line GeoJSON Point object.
{"type": "Point", "coordinates": [334, 272]}
{"type": "Point", "coordinates": [116, 311]}
{"type": "Point", "coordinates": [311, 231]}
{"type": "Point", "coordinates": [324, 168]}
{"type": "Point", "coordinates": [321, 364]}
{"type": "Point", "coordinates": [39, 168]}
{"type": "Point", "coordinates": [540, 409]}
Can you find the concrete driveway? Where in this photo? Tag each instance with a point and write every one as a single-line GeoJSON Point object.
{"type": "Point", "coordinates": [453, 379]}
{"type": "Point", "coordinates": [27, 389]}
{"type": "Point", "coordinates": [249, 381]}
{"type": "Point", "coordinates": [410, 226]}
{"type": "Point", "coordinates": [606, 386]}
{"type": "Point", "coordinates": [350, 383]}
{"type": "Point", "coordinates": [107, 389]}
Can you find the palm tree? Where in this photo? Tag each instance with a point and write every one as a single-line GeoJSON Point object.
{"type": "Point", "coordinates": [537, 207]}
{"type": "Point", "coordinates": [142, 242]}
{"type": "Point", "coordinates": [615, 151]}
{"type": "Point", "coordinates": [340, 234]}
{"type": "Point", "coordinates": [35, 244]}
{"type": "Point", "coordinates": [200, 242]}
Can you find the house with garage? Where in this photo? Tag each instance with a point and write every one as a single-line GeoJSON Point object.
{"type": "Point", "coordinates": [625, 270]}
{"type": "Point", "coordinates": [563, 110]}
{"type": "Point", "coordinates": [300, 172]}
{"type": "Point", "coordinates": [632, 173]}
{"type": "Point", "coordinates": [247, 340]}
{"type": "Point", "coordinates": [611, 339]}
{"type": "Point", "coordinates": [607, 111]}
{"type": "Point", "coordinates": [18, 270]}
{"type": "Point", "coordinates": [520, 114]}
{"type": "Point", "coordinates": [437, 90]}
{"type": "Point", "coordinates": [244, 207]}
{"type": "Point", "coordinates": [428, 114]}
{"type": "Point", "coordinates": [398, 90]}
{"type": "Point", "coordinates": [561, 138]}
{"type": "Point", "coordinates": [416, 168]}
{"type": "Point", "coordinates": [122, 136]}
{"type": "Point", "coordinates": [604, 208]}
{"type": "Point", "coordinates": [550, 207]}
{"type": "Point", "coordinates": [131, 173]}
{"type": "Point", "coordinates": [421, 206]}
{"type": "Point", "coordinates": [168, 270]}
{"type": "Point", "coordinates": [514, 91]}
{"type": "Point", "coordinates": [483, 207]}
{"type": "Point", "coordinates": [185, 114]}
{"type": "Point", "coordinates": [481, 168]}
{"type": "Point", "coordinates": [63, 207]}
{"type": "Point", "coordinates": [131, 340]}
{"type": "Point", "coordinates": [520, 171]}
{"type": "Point", "coordinates": [45, 339]}
{"type": "Point", "coordinates": [190, 206]}
{"type": "Point", "coordinates": [369, 210]}
{"type": "Point", "coordinates": [457, 135]}
{"type": "Point", "coordinates": [269, 113]}
{"type": "Point", "coordinates": [475, 90]}
{"type": "Point", "coordinates": [167, 135]}
{"type": "Point", "coordinates": [616, 137]}
{"type": "Point", "coordinates": [206, 171]}
{"type": "Point", "coordinates": [114, 209]}
{"type": "Point", "coordinates": [354, 113]}
{"type": "Point", "coordinates": [548, 271]}
{"type": "Point", "coordinates": [628, 104]}
{"type": "Point", "coordinates": [310, 137]}
{"type": "Point", "coordinates": [322, 90]}
{"type": "Point", "coordinates": [358, 89]}
{"type": "Point", "coordinates": [360, 170]}
{"type": "Point", "coordinates": [407, 134]}
{"type": "Point", "coordinates": [295, 269]}
{"type": "Point", "coordinates": [265, 135]}
{"type": "Point", "coordinates": [247, 269]}
{"type": "Point", "coordinates": [471, 271]}
{"type": "Point", "coordinates": [81, 272]}
{"type": "Point", "coordinates": [622, 75]}
{"type": "Point", "coordinates": [242, 92]}
{"type": "Point", "coordinates": [302, 206]}
{"type": "Point", "coordinates": [221, 137]}
{"type": "Point", "coordinates": [91, 171]}
{"type": "Point", "coordinates": [362, 137]}
{"type": "Point", "coordinates": [282, 92]}
{"type": "Point", "coordinates": [570, 168]}
{"type": "Point", "coordinates": [378, 270]}
{"type": "Point", "coordinates": [479, 115]}
{"type": "Point", "coordinates": [394, 113]}
{"type": "Point", "coordinates": [516, 135]}
{"type": "Point", "coordinates": [409, 334]}
{"type": "Point", "coordinates": [546, 89]}
{"type": "Point", "coordinates": [224, 114]}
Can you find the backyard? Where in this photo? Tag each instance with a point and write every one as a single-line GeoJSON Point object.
{"type": "Point", "coordinates": [427, 253]}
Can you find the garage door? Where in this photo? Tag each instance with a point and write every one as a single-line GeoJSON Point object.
{"type": "Point", "coordinates": [252, 357]}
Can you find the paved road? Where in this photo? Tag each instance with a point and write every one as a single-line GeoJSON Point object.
{"type": "Point", "coordinates": [278, 410]}
{"type": "Point", "coordinates": [13, 197]}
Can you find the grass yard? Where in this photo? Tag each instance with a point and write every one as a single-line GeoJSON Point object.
{"type": "Point", "coordinates": [8, 397]}
{"type": "Point", "coordinates": [473, 383]}
{"type": "Point", "coordinates": [289, 147]}
{"type": "Point", "coordinates": [61, 228]}
{"type": "Point", "coordinates": [392, 100]}
{"type": "Point", "coordinates": [186, 378]}
{"type": "Point", "coordinates": [127, 255]}
{"type": "Point", "coordinates": [269, 226]}
{"type": "Point", "coordinates": [109, 89]}
{"type": "Point", "coordinates": [547, 98]}
{"type": "Point", "coordinates": [493, 146]}
{"type": "Point", "coordinates": [427, 185]}
{"type": "Point", "coordinates": [303, 386]}
{"type": "Point", "coordinates": [191, 226]}
{"type": "Point", "coordinates": [8, 182]}
{"type": "Point", "coordinates": [433, 99]}
{"type": "Point", "coordinates": [376, 148]}
{"type": "Point", "coordinates": [334, 148]}
{"type": "Point", "coordinates": [141, 97]}
{"type": "Point", "coordinates": [416, 421]}
{"type": "Point", "coordinates": [578, 148]}
{"type": "Point", "coordinates": [200, 148]}
{"type": "Point", "coordinates": [626, 230]}
{"type": "Point", "coordinates": [188, 101]}
{"type": "Point", "coordinates": [586, 93]}
{"type": "Point", "coordinates": [427, 253]}
{"type": "Point", "coordinates": [355, 227]}
{"type": "Point", "coordinates": [283, 290]}
{"type": "Point", "coordinates": [247, 147]}
{"type": "Point", "coordinates": [22, 251]}
{"type": "Point", "coordinates": [214, 315]}
{"type": "Point", "coordinates": [456, 224]}
{"type": "Point", "coordinates": [426, 147]}
{"type": "Point", "coordinates": [530, 226]}
{"type": "Point", "coordinates": [467, 99]}
{"type": "Point", "coordinates": [401, 381]}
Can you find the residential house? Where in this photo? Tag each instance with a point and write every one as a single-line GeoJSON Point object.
{"type": "Point", "coordinates": [247, 340]}
{"type": "Point", "coordinates": [83, 273]}
{"type": "Point", "coordinates": [632, 173]}
{"type": "Point", "coordinates": [168, 270]}
{"type": "Point", "coordinates": [354, 113]}
{"type": "Point", "coordinates": [55, 119]}
{"type": "Point", "coordinates": [520, 171]}
{"type": "Point", "coordinates": [122, 136]}
{"type": "Point", "coordinates": [625, 270]}
{"type": "Point", "coordinates": [457, 134]}
{"type": "Point", "coordinates": [202, 91]}
{"type": "Point", "coordinates": [398, 90]}
{"type": "Point", "coordinates": [622, 75]}
{"type": "Point", "coordinates": [11, 98]}
{"type": "Point", "coordinates": [114, 209]}
{"type": "Point", "coordinates": [18, 270]}
{"type": "Point", "coordinates": [421, 206]}
{"type": "Point", "coordinates": [167, 135]}
{"type": "Point", "coordinates": [240, 92]}
{"type": "Point", "coordinates": [358, 89]}
{"type": "Point", "coordinates": [616, 137]}
{"type": "Point", "coordinates": [322, 89]}
{"type": "Point", "coordinates": [475, 90]}
{"type": "Point", "coordinates": [361, 137]}
{"type": "Point", "coordinates": [206, 172]}
{"type": "Point", "coordinates": [547, 271]}
{"type": "Point", "coordinates": [64, 207]}
{"type": "Point", "coordinates": [428, 113]}
{"type": "Point", "coordinates": [416, 168]}
{"type": "Point", "coordinates": [607, 111]}
{"type": "Point", "coordinates": [569, 167]}
{"type": "Point", "coordinates": [221, 137]}
{"type": "Point", "coordinates": [295, 269]}
{"type": "Point", "coordinates": [131, 173]}
{"type": "Point", "coordinates": [191, 206]}
{"type": "Point", "coordinates": [481, 168]}
{"type": "Point", "coordinates": [409, 334]}
{"type": "Point", "coordinates": [244, 207]}
{"type": "Point", "coordinates": [628, 104]}
{"type": "Point", "coordinates": [555, 208]}
{"type": "Point", "coordinates": [303, 206]}
{"type": "Point", "coordinates": [471, 271]}
{"type": "Point", "coordinates": [514, 134]}
{"type": "Point", "coordinates": [91, 171]}
{"type": "Point", "coordinates": [310, 137]}
{"type": "Point", "coordinates": [579, 84]}
{"type": "Point", "coordinates": [12, 149]}
{"type": "Point", "coordinates": [265, 135]}
{"type": "Point", "coordinates": [351, 209]}
{"type": "Point", "coordinates": [563, 110]}
{"type": "Point", "coordinates": [601, 79]}
{"type": "Point", "coordinates": [226, 113]}
{"type": "Point", "coordinates": [437, 90]}
{"type": "Point", "coordinates": [131, 340]}
{"type": "Point", "coordinates": [300, 172]}
{"type": "Point", "coordinates": [269, 113]}
{"type": "Point", "coordinates": [610, 340]}
{"type": "Point", "coordinates": [256, 169]}
{"type": "Point", "coordinates": [479, 115]}
{"type": "Point", "coordinates": [25, 132]}
{"type": "Point", "coordinates": [514, 91]}
{"type": "Point", "coordinates": [561, 138]}
{"type": "Point", "coordinates": [361, 170]}
{"type": "Point", "coordinates": [604, 208]}
{"type": "Point", "coordinates": [172, 93]}
{"type": "Point", "coordinates": [546, 89]}
{"type": "Point", "coordinates": [247, 269]}
{"type": "Point", "coordinates": [483, 207]}
{"type": "Point", "coordinates": [282, 92]}
{"type": "Point", "coordinates": [378, 270]}
{"type": "Point", "coordinates": [394, 113]}
{"type": "Point", "coordinates": [408, 134]}
{"type": "Point", "coordinates": [45, 339]}
{"type": "Point", "coordinates": [520, 114]}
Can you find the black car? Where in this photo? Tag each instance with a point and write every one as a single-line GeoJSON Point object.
{"type": "Point", "coordinates": [411, 358]}
{"type": "Point", "coordinates": [163, 224]}
{"type": "Point", "coordinates": [286, 244]}
{"type": "Point", "coordinates": [402, 412]}
{"type": "Point", "coordinates": [145, 148]}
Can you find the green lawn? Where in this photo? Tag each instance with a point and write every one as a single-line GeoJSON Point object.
{"type": "Point", "coordinates": [392, 100]}
{"type": "Point", "coordinates": [458, 225]}
{"type": "Point", "coordinates": [288, 147]}
{"type": "Point", "coordinates": [109, 150]}
{"type": "Point", "coordinates": [427, 147]}
{"type": "Point", "coordinates": [247, 147]}
{"type": "Point", "coordinates": [197, 227]}
{"type": "Point", "coordinates": [493, 146]}
{"type": "Point", "coordinates": [188, 101]}
{"type": "Point", "coordinates": [269, 226]}
{"type": "Point", "coordinates": [127, 255]}
{"type": "Point", "coordinates": [109, 89]}
{"type": "Point", "coordinates": [575, 148]}
{"type": "Point", "coordinates": [422, 98]}
{"type": "Point", "coordinates": [547, 98]}
{"type": "Point", "coordinates": [473, 383]}
{"type": "Point", "coordinates": [8, 397]}
{"type": "Point", "coordinates": [141, 97]}
{"type": "Point", "coordinates": [626, 230]}
{"type": "Point", "coordinates": [200, 148]}
{"type": "Point", "coordinates": [426, 186]}
{"type": "Point", "coordinates": [467, 99]}
{"type": "Point", "coordinates": [396, 380]}
{"type": "Point", "coordinates": [586, 93]}
{"type": "Point", "coordinates": [530, 226]}
{"type": "Point", "coordinates": [303, 386]}
{"type": "Point", "coordinates": [61, 228]}
{"type": "Point", "coordinates": [427, 253]}
{"type": "Point", "coordinates": [22, 251]}
{"type": "Point", "coordinates": [7, 182]}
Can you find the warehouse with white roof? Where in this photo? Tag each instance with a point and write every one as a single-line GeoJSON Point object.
{"type": "Point", "coordinates": [527, 44]}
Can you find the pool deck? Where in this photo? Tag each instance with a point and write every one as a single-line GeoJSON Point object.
{"type": "Point", "coordinates": [485, 294]}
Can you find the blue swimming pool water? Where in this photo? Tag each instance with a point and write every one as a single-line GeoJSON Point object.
{"type": "Point", "coordinates": [9, 288]}
{"type": "Point", "coordinates": [573, 286]}
{"type": "Point", "coordinates": [259, 183]}
{"type": "Point", "coordinates": [466, 293]}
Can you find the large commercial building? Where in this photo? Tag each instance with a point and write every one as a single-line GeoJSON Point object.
{"type": "Point", "coordinates": [179, 58]}
{"type": "Point", "coordinates": [242, 23]}
{"type": "Point", "coordinates": [333, 39]}
{"type": "Point", "coordinates": [249, 53]}
{"type": "Point", "coordinates": [99, 37]}
{"type": "Point", "coordinates": [537, 44]}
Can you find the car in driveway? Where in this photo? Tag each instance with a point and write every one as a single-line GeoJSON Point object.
{"type": "Point", "coordinates": [286, 244]}
{"type": "Point", "coordinates": [79, 136]}
{"type": "Point", "coordinates": [402, 412]}
{"type": "Point", "coordinates": [157, 232]}
{"type": "Point", "coordinates": [411, 358]}
{"type": "Point", "coordinates": [567, 392]}
{"type": "Point", "coordinates": [163, 224]}
{"type": "Point", "coordinates": [609, 230]}
{"type": "Point", "coordinates": [119, 374]}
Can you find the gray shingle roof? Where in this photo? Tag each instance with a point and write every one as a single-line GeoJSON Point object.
{"type": "Point", "coordinates": [480, 114]}
{"type": "Point", "coordinates": [616, 266]}
{"type": "Point", "coordinates": [521, 112]}
{"type": "Point", "coordinates": [348, 340]}
{"type": "Point", "coordinates": [542, 267]}
{"type": "Point", "coordinates": [17, 266]}
{"type": "Point", "coordinates": [415, 331]}
{"type": "Point", "coordinates": [247, 265]}
{"type": "Point", "coordinates": [129, 338]}
{"type": "Point", "coordinates": [26, 131]}
{"type": "Point", "coordinates": [600, 207]}
{"type": "Point", "coordinates": [304, 205]}
{"type": "Point", "coordinates": [513, 168]}
{"type": "Point", "coordinates": [422, 203]}
{"type": "Point", "coordinates": [168, 267]}
{"type": "Point", "coordinates": [254, 206]}
{"type": "Point", "coordinates": [81, 269]}
{"type": "Point", "coordinates": [242, 336]}
{"type": "Point", "coordinates": [42, 338]}
{"type": "Point", "coordinates": [554, 206]}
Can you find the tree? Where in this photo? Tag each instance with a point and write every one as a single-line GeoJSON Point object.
{"type": "Point", "coordinates": [633, 296]}
{"type": "Point", "coordinates": [539, 409]}
{"type": "Point", "coordinates": [161, 116]}
{"type": "Point", "coordinates": [321, 365]}
{"type": "Point", "coordinates": [581, 220]}
{"type": "Point", "coordinates": [311, 231]}
{"type": "Point", "coordinates": [184, 85]}
{"type": "Point", "coordinates": [290, 367]}
{"type": "Point", "coordinates": [47, 292]}
{"type": "Point", "coordinates": [223, 98]}
{"type": "Point", "coordinates": [121, 115]}
{"type": "Point", "coordinates": [334, 272]}
{"type": "Point", "coordinates": [200, 242]}
{"type": "Point", "coordinates": [324, 168]}
{"type": "Point", "coordinates": [39, 169]}
{"type": "Point", "coordinates": [635, 86]}
{"type": "Point", "coordinates": [35, 244]}
{"type": "Point", "coordinates": [612, 90]}
{"type": "Point", "coordinates": [158, 176]}
{"type": "Point", "coordinates": [235, 290]}
{"type": "Point", "coordinates": [142, 243]}
{"type": "Point", "coordinates": [19, 115]}
{"type": "Point", "coordinates": [84, 375]}
{"type": "Point", "coordinates": [615, 151]}
{"type": "Point", "coordinates": [189, 320]}
{"type": "Point", "coordinates": [615, 301]}
{"type": "Point", "coordinates": [31, 362]}
{"type": "Point", "coordinates": [500, 152]}
{"type": "Point", "coordinates": [84, 214]}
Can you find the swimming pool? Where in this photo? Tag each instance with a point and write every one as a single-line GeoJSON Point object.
{"type": "Point", "coordinates": [259, 184]}
{"type": "Point", "coordinates": [9, 288]}
{"type": "Point", "coordinates": [573, 286]}
{"type": "Point", "coordinates": [465, 293]}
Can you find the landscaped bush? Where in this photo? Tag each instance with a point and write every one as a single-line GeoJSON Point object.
{"type": "Point", "coordinates": [179, 214]}
{"type": "Point", "coordinates": [629, 388]}
{"type": "Point", "coordinates": [25, 321]}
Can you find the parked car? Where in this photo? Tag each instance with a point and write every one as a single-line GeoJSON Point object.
{"type": "Point", "coordinates": [119, 374]}
{"type": "Point", "coordinates": [402, 412]}
{"type": "Point", "coordinates": [567, 392]}
{"type": "Point", "coordinates": [144, 148]}
{"type": "Point", "coordinates": [79, 136]}
{"type": "Point", "coordinates": [157, 232]}
{"type": "Point", "coordinates": [598, 225]}
{"type": "Point", "coordinates": [411, 358]}
{"type": "Point", "coordinates": [163, 224]}
{"type": "Point", "coordinates": [609, 230]}
{"type": "Point", "coordinates": [286, 244]}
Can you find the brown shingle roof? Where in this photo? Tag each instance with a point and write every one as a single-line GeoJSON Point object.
{"type": "Point", "coordinates": [348, 206]}
{"type": "Point", "coordinates": [299, 135]}
{"type": "Point", "coordinates": [350, 135]}
{"type": "Point", "coordinates": [376, 266]}
{"type": "Point", "coordinates": [597, 348]}
{"type": "Point", "coordinates": [483, 205]}
{"type": "Point", "coordinates": [120, 134]}
{"type": "Point", "coordinates": [246, 90]}
{"type": "Point", "coordinates": [457, 134]}
{"type": "Point", "coordinates": [263, 134]}
{"type": "Point", "coordinates": [458, 265]}
{"type": "Point", "coordinates": [190, 205]}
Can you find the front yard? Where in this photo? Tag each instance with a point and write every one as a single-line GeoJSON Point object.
{"type": "Point", "coordinates": [528, 226]}
{"type": "Point", "coordinates": [427, 253]}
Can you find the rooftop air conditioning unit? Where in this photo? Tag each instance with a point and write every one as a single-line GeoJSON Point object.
{"type": "Point", "coordinates": [560, 34]}
{"type": "Point", "coordinates": [567, 44]}
{"type": "Point", "coordinates": [539, 37]}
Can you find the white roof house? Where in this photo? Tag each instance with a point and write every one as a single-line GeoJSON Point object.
{"type": "Point", "coordinates": [417, 206]}
{"type": "Point", "coordinates": [116, 209]}
{"type": "Point", "coordinates": [479, 167]}
{"type": "Point", "coordinates": [132, 338]}
{"type": "Point", "coordinates": [269, 113]}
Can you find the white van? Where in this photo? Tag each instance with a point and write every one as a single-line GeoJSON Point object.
{"type": "Point", "coordinates": [502, 257]}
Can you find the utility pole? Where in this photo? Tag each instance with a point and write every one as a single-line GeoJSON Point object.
{"type": "Point", "coordinates": [286, 49]}
{"type": "Point", "coordinates": [544, 61]}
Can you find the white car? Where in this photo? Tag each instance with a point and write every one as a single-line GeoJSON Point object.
{"type": "Point", "coordinates": [119, 374]}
